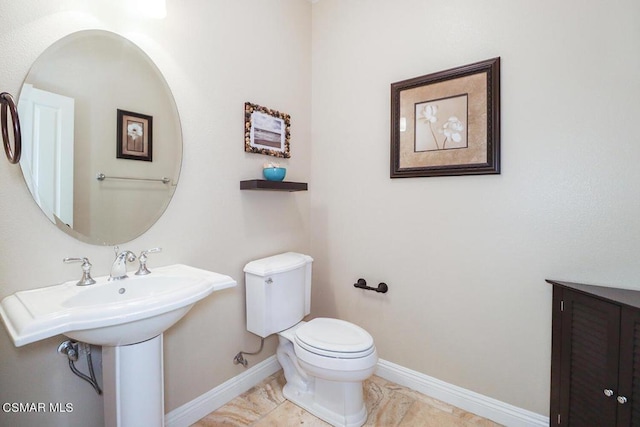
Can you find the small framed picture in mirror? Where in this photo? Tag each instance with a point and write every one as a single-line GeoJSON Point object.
{"type": "Point", "coordinates": [135, 134]}
{"type": "Point", "coordinates": [266, 131]}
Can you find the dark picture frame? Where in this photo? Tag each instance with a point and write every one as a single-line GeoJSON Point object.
{"type": "Point", "coordinates": [266, 131]}
{"type": "Point", "coordinates": [135, 136]}
{"type": "Point", "coordinates": [447, 123]}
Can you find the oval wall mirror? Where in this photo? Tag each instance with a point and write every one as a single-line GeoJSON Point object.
{"type": "Point", "coordinates": [102, 144]}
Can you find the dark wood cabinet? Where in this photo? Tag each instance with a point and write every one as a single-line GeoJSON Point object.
{"type": "Point", "coordinates": [595, 362]}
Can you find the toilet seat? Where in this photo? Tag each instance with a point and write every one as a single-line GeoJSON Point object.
{"type": "Point", "coordinates": [334, 338]}
{"type": "Point", "coordinates": [321, 350]}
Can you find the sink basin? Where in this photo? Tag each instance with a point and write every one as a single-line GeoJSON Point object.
{"type": "Point", "coordinates": [108, 313]}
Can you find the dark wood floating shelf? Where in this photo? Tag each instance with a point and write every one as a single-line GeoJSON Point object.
{"type": "Point", "coordinates": [263, 184]}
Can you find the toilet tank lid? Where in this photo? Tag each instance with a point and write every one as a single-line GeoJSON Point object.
{"type": "Point", "coordinates": [277, 263]}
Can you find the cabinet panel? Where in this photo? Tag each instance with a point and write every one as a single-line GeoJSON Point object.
{"type": "Point", "coordinates": [590, 355]}
{"type": "Point", "coordinates": [629, 412]}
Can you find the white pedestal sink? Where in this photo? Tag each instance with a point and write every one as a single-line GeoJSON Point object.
{"type": "Point", "coordinates": [126, 317]}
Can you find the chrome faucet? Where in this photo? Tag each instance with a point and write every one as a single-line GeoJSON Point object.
{"type": "Point", "coordinates": [119, 267]}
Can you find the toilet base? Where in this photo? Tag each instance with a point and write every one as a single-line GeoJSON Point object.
{"type": "Point", "coordinates": [341, 404]}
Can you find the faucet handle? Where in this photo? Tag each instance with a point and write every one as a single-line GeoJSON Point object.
{"type": "Point", "coordinates": [142, 270]}
{"type": "Point", "coordinates": [86, 270]}
{"type": "Point", "coordinates": [150, 251]}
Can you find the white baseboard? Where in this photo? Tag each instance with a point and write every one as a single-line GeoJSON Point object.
{"type": "Point", "coordinates": [469, 401]}
{"type": "Point", "coordinates": [203, 405]}
{"type": "Point", "coordinates": [486, 407]}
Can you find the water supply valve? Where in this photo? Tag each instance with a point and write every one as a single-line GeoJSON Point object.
{"type": "Point", "coordinates": [70, 349]}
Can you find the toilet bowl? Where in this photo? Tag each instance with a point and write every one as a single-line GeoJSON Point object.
{"type": "Point", "coordinates": [324, 360]}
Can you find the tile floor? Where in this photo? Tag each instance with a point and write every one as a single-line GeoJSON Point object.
{"type": "Point", "coordinates": [388, 405]}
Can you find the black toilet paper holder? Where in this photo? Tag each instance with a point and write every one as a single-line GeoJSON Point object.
{"type": "Point", "coordinates": [362, 284]}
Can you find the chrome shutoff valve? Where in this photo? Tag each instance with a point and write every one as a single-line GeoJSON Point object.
{"type": "Point", "coordinates": [70, 349]}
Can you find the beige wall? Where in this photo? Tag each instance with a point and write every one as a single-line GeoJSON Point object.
{"type": "Point", "coordinates": [465, 258]}
{"type": "Point", "coordinates": [215, 56]}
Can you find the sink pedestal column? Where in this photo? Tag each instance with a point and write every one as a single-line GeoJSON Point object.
{"type": "Point", "coordinates": [133, 384]}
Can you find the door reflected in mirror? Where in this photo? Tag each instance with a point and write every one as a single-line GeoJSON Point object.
{"type": "Point", "coordinates": [68, 109]}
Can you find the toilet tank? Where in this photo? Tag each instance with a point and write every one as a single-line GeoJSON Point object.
{"type": "Point", "coordinates": [278, 292]}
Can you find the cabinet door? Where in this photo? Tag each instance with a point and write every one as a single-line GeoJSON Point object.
{"type": "Point", "coordinates": [629, 388]}
{"type": "Point", "coordinates": [589, 367]}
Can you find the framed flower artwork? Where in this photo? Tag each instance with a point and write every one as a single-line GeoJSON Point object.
{"type": "Point", "coordinates": [447, 123]}
{"type": "Point", "coordinates": [135, 136]}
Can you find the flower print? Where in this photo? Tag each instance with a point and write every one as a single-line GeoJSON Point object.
{"type": "Point", "coordinates": [429, 113]}
{"type": "Point", "coordinates": [135, 133]}
{"type": "Point", "coordinates": [134, 130]}
{"type": "Point", "coordinates": [452, 129]}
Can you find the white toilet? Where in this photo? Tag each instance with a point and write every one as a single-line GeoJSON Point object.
{"type": "Point", "coordinates": [325, 360]}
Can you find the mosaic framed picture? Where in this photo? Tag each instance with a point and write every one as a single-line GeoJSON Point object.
{"type": "Point", "coordinates": [447, 123]}
{"type": "Point", "coordinates": [266, 131]}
